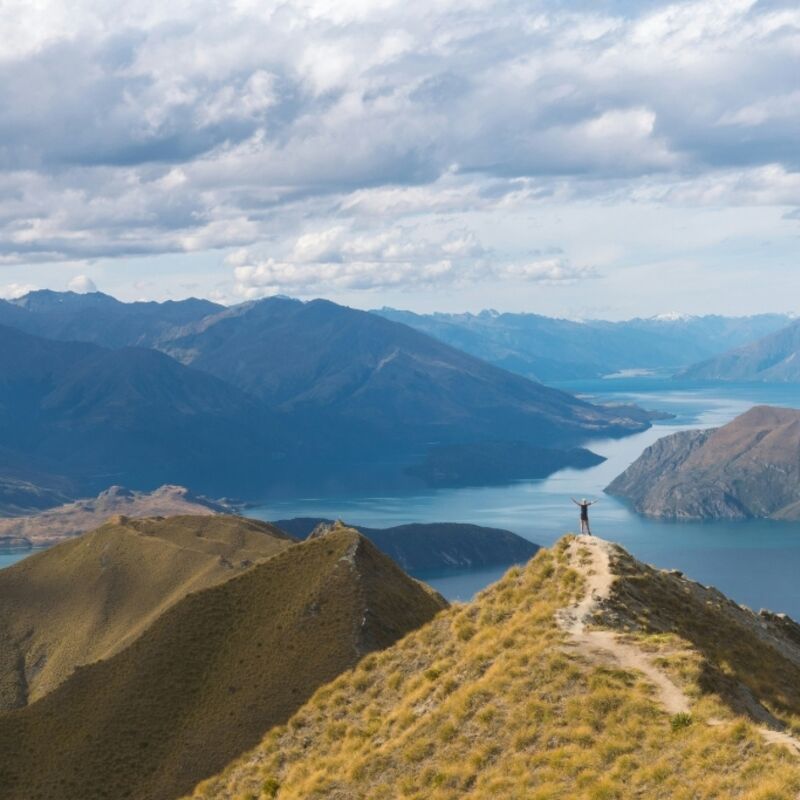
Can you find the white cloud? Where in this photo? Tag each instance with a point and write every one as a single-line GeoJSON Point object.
{"type": "Point", "coordinates": [314, 133]}
{"type": "Point", "coordinates": [552, 271]}
{"type": "Point", "coordinates": [11, 291]}
{"type": "Point", "coordinates": [339, 259]}
{"type": "Point", "coordinates": [82, 284]}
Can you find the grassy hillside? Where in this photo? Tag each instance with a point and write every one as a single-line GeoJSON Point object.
{"type": "Point", "coordinates": [494, 699]}
{"type": "Point", "coordinates": [88, 598]}
{"type": "Point", "coordinates": [211, 675]}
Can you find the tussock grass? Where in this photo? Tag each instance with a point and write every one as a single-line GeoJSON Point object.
{"type": "Point", "coordinates": [88, 598]}
{"type": "Point", "coordinates": [204, 682]}
{"type": "Point", "coordinates": [486, 702]}
{"type": "Point", "coordinates": [712, 644]}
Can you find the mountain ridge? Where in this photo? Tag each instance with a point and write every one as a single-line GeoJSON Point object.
{"type": "Point", "coordinates": [211, 675]}
{"type": "Point", "coordinates": [549, 685]}
{"type": "Point", "coordinates": [418, 547]}
{"type": "Point", "coordinates": [133, 415]}
{"type": "Point", "coordinates": [551, 349]}
{"type": "Point", "coordinates": [90, 597]}
{"type": "Point", "coordinates": [321, 356]}
{"type": "Point", "coordinates": [771, 359]}
{"type": "Point", "coordinates": [99, 318]}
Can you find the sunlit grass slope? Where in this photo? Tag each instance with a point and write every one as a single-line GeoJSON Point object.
{"type": "Point", "coordinates": [489, 701]}
{"type": "Point", "coordinates": [90, 597]}
{"type": "Point", "coordinates": [751, 661]}
{"type": "Point", "coordinates": [211, 675]}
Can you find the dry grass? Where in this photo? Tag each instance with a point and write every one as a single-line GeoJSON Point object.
{"type": "Point", "coordinates": [718, 647]}
{"type": "Point", "coordinates": [204, 682]}
{"type": "Point", "coordinates": [88, 598]}
{"type": "Point", "coordinates": [486, 702]}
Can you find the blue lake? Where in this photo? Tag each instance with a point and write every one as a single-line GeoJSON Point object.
{"type": "Point", "coordinates": [755, 562]}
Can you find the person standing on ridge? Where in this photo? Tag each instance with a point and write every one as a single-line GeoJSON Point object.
{"type": "Point", "coordinates": [584, 507]}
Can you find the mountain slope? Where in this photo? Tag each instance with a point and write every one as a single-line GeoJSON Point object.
{"type": "Point", "coordinates": [26, 488]}
{"type": "Point", "coordinates": [211, 675]}
{"type": "Point", "coordinates": [88, 598]}
{"type": "Point", "coordinates": [72, 519]}
{"type": "Point", "coordinates": [435, 545]}
{"type": "Point", "coordinates": [502, 698]}
{"type": "Point", "coordinates": [747, 468]}
{"type": "Point", "coordinates": [774, 358]}
{"type": "Point", "coordinates": [99, 318]}
{"type": "Point", "coordinates": [382, 382]}
{"type": "Point", "coordinates": [132, 416]}
{"type": "Point", "coordinates": [550, 349]}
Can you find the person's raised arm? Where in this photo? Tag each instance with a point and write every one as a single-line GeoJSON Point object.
{"type": "Point", "coordinates": [595, 501]}
{"type": "Point", "coordinates": [574, 501]}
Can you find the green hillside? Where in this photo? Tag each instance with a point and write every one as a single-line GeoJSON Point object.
{"type": "Point", "coordinates": [211, 675]}
{"type": "Point", "coordinates": [584, 675]}
{"type": "Point", "coordinates": [87, 598]}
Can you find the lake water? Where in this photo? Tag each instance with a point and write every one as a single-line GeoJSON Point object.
{"type": "Point", "coordinates": [755, 562]}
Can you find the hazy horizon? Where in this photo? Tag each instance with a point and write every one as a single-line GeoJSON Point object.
{"type": "Point", "coordinates": [665, 316]}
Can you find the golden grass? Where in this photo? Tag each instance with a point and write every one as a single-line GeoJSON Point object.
{"type": "Point", "coordinates": [204, 682]}
{"type": "Point", "coordinates": [486, 702]}
{"type": "Point", "coordinates": [90, 597]}
{"type": "Point", "coordinates": [716, 646]}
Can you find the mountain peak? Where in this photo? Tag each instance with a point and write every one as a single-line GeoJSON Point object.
{"type": "Point", "coordinates": [41, 300]}
{"type": "Point", "coordinates": [584, 667]}
{"type": "Point", "coordinates": [208, 676]}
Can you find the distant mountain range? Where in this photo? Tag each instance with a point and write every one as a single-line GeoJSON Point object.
{"type": "Point", "coordinates": [382, 382]}
{"type": "Point", "coordinates": [99, 318]}
{"type": "Point", "coordinates": [280, 396]}
{"type": "Point", "coordinates": [96, 417]}
{"type": "Point", "coordinates": [244, 400]}
{"type": "Point", "coordinates": [218, 664]}
{"type": "Point", "coordinates": [774, 358]}
{"type": "Point", "coordinates": [747, 468]}
{"type": "Point", "coordinates": [547, 349]}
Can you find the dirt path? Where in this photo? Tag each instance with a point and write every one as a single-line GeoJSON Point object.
{"type": "Point", "coordinates": [604, 643]}
{"type": "Point", "coordinates": [591, 557]}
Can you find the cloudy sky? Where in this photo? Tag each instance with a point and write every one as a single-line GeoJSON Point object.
{"type": "Point", "coordinates": [576, 157]}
